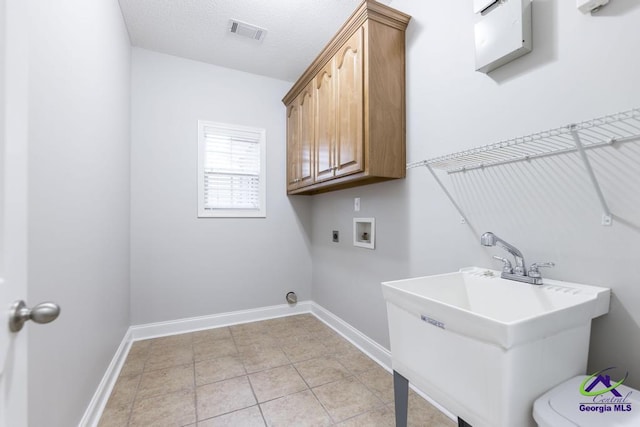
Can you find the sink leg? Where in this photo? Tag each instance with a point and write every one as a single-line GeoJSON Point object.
{"type": "Point", "coordinates": [401, 395]}
{"type": "Point", "coordinates": [463, 423]}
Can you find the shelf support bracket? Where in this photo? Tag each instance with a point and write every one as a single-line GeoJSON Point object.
{"type": "Point", "coordinates": [455, 204]}
{"type": "Point", "coordinates": [606, 215]}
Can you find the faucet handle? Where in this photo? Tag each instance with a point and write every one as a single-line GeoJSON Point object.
{"type": "Point", "coordinates": [533, 268]}
{"type": "Point", "coordinates": [506, 266]}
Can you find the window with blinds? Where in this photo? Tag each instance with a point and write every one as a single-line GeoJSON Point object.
{"type": "Point", "coordinates": [231, 170]}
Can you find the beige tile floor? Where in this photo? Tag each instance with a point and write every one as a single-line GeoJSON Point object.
{"type": "Point", "coordinates": [291, 371]}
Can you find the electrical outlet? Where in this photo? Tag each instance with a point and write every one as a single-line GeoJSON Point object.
{"type": "Point", "coordinates": [335, 236]}
{"type": "Point", "coordinates": [356, 204]}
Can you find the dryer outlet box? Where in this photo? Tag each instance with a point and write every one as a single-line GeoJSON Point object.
{"type": "Point", "coordinates": [502, 33]}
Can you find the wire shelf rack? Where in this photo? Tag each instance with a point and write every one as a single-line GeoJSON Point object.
{"type": "Point", "coordinates": [607, 130]}
{"type": "Point", "coordinates": [602, 131]}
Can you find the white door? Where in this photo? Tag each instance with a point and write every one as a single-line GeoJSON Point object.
{"type": "Point", "coordinates": [13, 207]}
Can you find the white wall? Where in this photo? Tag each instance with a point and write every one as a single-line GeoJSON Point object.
{"type": "Point", "coordinates": [79, 131]}
{"type": "Point", "coordinates": [182, 266]}
{"type": "Point", "coordinates": [582, 67]}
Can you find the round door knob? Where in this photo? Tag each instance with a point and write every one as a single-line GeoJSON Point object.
{"type": "Point", "coordinates": [42, 313]}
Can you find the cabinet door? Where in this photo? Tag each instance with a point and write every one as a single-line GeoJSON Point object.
{"type": "Point", "coordinates": [300, 135]}
{"type": "Point", "coordinates": [325, 123]}
{"type": "Point", "coordinates": [349, 82]}
{"type": "Point", "coordinates": [293, 144]}
{"type": "Point", "coordinates": [305, 143]}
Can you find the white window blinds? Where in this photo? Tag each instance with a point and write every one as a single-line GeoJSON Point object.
{"type": "Point", "coordinates": [231, 171]}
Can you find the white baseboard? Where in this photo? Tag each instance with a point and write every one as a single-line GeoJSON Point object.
{"type": "Point", "coordinates": [160, 329]}
{"type": "Point", "coordinates": [192, 324]}
{"type": "Point", "coordinates": [93, 413]}
{"type": "Point", "coordinates": [371, 348]}
{"type": "Point", "coordinates": [153, 330]}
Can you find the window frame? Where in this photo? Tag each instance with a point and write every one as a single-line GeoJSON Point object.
{"type": "Point", "coordinates": [203, 211]}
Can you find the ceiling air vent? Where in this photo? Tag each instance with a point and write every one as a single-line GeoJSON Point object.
{"type": "Point", "coordinates": [247, 30]}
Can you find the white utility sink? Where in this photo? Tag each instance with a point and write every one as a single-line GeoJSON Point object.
{"type": "Point", "coordinates": [484, 347]}
{"type": "Point", "coordinates": [478, 303]}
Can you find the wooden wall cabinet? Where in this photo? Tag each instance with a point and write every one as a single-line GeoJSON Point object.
{"type": "Point", "coordinates": [346, 113]}
{"type": "Point", "coordinates": [300, 135]}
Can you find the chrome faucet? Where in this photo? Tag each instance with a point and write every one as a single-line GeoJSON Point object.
{"type": "Point", "coordinates": [520, 272]}
{"type": "Point", "coordinates": [490, 239]}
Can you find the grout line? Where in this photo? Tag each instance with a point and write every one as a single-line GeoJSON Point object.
{"type": "Point", "coordinates": [133, 402]}
{"type": "Point", "coordinates": [314, 395]}
{"type": "Point", "coordinates": [227, 413]}
{"type": "Point", "coordinates": [280, 344]}
{"type": "Point", "coordinates": [333, 421]}
{"type": "Point", "coordinates": [264, 420]}
{"type": "Point", "coordinates": [135, 394]}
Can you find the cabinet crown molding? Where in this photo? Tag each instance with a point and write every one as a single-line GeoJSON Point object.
{"type": "Point", "coordinates": [368, 10]}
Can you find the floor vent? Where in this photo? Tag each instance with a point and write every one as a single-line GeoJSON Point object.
{"type": "Point", "coordinates": [247, 30]}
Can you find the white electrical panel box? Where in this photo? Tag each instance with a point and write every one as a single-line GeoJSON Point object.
{"type": "Point", "coordinates": [481, 5]}
{"type": "Point", "coordinates": [502, 32]}
{"type": "Point", "coordinates": [586, 6]}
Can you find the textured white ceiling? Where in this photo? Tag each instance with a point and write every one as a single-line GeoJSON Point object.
{"type": "Point", "coordinates": [297, 30]}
